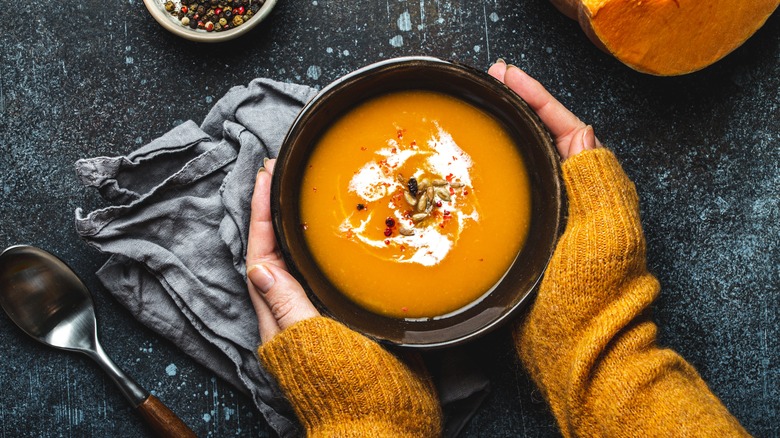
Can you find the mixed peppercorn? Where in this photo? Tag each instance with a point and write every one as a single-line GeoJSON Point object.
{"type": "Point", "coordinates": [214, 15]}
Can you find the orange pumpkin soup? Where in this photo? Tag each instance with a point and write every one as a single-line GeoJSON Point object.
{"type": "Point", "coordinates": [415, 203]}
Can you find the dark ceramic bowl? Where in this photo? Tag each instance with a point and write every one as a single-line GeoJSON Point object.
{"type": "Point", "coordinates": [476, 88]}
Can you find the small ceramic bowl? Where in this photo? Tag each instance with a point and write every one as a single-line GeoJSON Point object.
{"type": "Point", "coordinates": [477, 88]}
{"type": "Point", "coordinates": [172, 24]}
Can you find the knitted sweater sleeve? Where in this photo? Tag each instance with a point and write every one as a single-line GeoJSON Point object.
{"type": "Point", "coordinates": [588, 342]}
{"type": "Point", "coordinates": [342, 384]}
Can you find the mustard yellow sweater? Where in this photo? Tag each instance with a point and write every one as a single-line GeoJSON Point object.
{"type": "Point", "coordinates": [587, 342]}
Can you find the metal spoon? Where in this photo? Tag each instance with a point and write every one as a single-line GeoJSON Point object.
{"type": "Point", "coordinates": [46, 299]}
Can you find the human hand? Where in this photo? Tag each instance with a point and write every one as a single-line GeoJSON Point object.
{"type": "Point", "coordinates": [389, 395]}
{"type": "Point", "coordinates": [279, 300]}
{"type": "Point", "coordinates": [571, 135]}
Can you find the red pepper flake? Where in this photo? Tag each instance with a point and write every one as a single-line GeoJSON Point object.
{"type": "Point", "coordinates": [304, 226]}
{"type": "Point", "coordinates": [403, 248]}
{"type": "Point", "coordinates": [449, 177]}
{"type": "Point", "coordinates": [438, 203]}
{"type": "Point", "coordinates": [481, 260]}
{"type": "Point", "coordinates": [413, 144]}
{"type": "Point", "coordinates": [363, 148]}
{"type": "Point", "coordinates": [400, 134]}
{"type": "Point", "coordinates": [465, 192]}
{"type": "Point", "coordinates": [314, 188]}
{"type": "Point", "coordinates": [452, 191]}
{"type": "Point", "coordinates": [394, 150]}
{"type": "Point", "coordinates": [446, 212]}
{"type": "Point", "coordinates": [404, 309]}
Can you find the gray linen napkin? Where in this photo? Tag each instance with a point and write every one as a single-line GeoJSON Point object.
{"type": "Point", "coordinates": [177, 234]}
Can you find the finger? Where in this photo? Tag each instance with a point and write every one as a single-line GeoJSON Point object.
{"type": "Point", "coordinates": [261, 242]}
{"type": "Point", "coordinates": [269, 164]}
{"type": "Point", "coordinates": [266, 322]}
{"type": "Point", "coordinates": [498, 70]}
{"type": "Point", "coordinates": [282, 293]}
{"type": "Point", "coordinates": [560, 121]}
{"type": "Point", "coordinates": [582, 140]}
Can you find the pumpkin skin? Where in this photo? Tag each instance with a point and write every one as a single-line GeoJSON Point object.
{"type": "Point", "coordinates": [668, 37]}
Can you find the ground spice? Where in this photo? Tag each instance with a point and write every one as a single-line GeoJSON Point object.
{"type": "Point", "coordinates": [213, 15]}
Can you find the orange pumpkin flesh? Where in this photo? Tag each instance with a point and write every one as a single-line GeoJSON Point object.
{"type": "Point", "coordinates": [669, 37]}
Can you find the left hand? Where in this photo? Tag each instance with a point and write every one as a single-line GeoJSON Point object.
{"type": "Point", "coordinates": [571, 135]}
{"type": "Point", "coordinates": [279, 300]}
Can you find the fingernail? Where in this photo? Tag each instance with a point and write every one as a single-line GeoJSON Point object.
{"type": "Point", "coordinates": [588, 138]}
{"type": "Point", "coordinates": [261, 277]}
{"type": "Point", "coordinates": [261, 170]}
{"type": "Point", "coordinates": [265, 161]}
{"type": "Point", "coordinates": [500, 61]}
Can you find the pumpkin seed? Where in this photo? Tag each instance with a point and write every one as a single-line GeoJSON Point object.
{"type": "Point", "coordinates": [439, 182]}
{"type": "Point", "coordinates": [419, 217]}
{"type": "Point", "coordinates": [457, 185]}
{"type": "Point", "coordinates": [422, 203]}
{"type": "Point", "coordinates": [405, 231]}
{"type": "Point", "coordinates": [410, 199]}
{"type": "Point", "coordinates": [443, 193]}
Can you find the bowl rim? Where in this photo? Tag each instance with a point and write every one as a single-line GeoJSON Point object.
{"type": "Point", "coordinates": [560, 199]}
{"type": "Point", "coordinates": [168, 22]}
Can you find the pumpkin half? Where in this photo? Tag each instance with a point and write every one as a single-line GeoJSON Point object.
{"type": "Point", "coordinates": [668, 37]}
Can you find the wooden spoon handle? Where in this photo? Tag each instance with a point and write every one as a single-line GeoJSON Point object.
{"type": "Point", "coordinates": [162, 420]}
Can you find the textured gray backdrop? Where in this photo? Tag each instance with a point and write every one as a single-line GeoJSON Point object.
{"type": "Point", "coordinates": [87, 78]}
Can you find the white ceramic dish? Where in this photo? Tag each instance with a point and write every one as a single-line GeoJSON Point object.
{"type": "Point", "coordinates": [172, 24]}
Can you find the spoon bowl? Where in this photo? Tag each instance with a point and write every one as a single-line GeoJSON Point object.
{"type": "Point", "coordinates": [48, 301]}
{"type": "Point", "coordinates": [61, 316]}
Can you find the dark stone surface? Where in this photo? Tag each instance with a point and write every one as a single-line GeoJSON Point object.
{"type": "Point", "coordinates": [88, 78]}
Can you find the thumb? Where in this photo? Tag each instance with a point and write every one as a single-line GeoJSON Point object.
{"type": "Point", "coordinates": [284, 295]}
{"type": "Point", "coordinates": [582, 140]}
